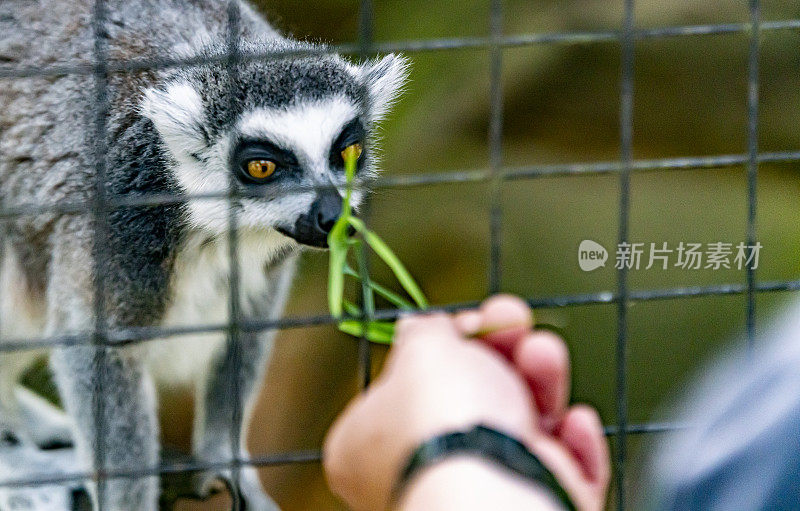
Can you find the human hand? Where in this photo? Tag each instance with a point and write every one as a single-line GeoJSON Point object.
{"type": "Point", "coordinates": [438, 380]}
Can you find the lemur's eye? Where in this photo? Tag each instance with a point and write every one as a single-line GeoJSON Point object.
{"type": "Point", "coordinates": [352, 150]}
{"type": "Point", "coordinates": [260, 162]}
{"type": "Point", "coordinates": [260, 169]}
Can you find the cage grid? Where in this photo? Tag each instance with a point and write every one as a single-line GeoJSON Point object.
{"type": "Point", "coordinates": [496, 42]}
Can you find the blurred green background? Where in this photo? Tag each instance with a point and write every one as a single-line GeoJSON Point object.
{"type": "Point", "coordinates": [561, 105]}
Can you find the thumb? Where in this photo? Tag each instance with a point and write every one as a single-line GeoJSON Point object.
{"type": "Point", "coordinates": [422, 337]}
{"type": "Point", "coordinates": [428, 328]}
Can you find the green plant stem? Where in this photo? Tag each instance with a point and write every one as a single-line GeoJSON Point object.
{"type": "Point", "coordinates": [384, 252]}
{"type": "Point", "coordinates": [396, 300]}
{"type": "Point", "coordinates": [339, 243]}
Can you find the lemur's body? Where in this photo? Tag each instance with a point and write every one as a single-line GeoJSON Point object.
{"type": "Point", "coordinates": [169, 132]}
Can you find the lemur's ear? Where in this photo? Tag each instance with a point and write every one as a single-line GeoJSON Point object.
{"type": "Point", "coordinates": [385, 79]}
{"type": "Point", "coordinates": [177, 113]}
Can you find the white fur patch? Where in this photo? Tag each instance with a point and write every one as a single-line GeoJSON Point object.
{"type": "Point", "coordinates": [385, 80]}
{"type": "Point", "coordinates": [177, 114]}
{"type": "Point", "coordinates": [200, 296]}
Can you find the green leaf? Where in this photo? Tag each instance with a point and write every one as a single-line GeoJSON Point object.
{"type": "Point", "coordinates": [377, 331]}
{"type": "Point", "coordinates": [368, 296]}
{"type": "Point", "coordinates": [388, 294]}
{"type": "Point", "coordinates": [351, 309]}
{"type": "Point", "coordinates": [350, 174]}
{"type": "Point", "coordinates": [391, 260]}
{"type": "Point", "coordinates": [339, 243]}
{"type": "Point", "coordinates": [338, 247]}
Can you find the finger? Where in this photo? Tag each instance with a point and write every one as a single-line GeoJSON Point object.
{"type": "Point", "coordinates": [468, 322]}
{"type": "Point", "coordinates": [421, 335]}
{"type": "Point", "coordinates": [505, 320]}
{"type": "Point", "coordinates": [581, 432]}
{"type": "Point", "coordinates": [542, 359]}
{"type": "Point", "coordinates": [437, 327]}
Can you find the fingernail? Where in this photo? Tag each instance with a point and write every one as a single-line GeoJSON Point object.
{"type": "Point", "coordinates": [469, 322]}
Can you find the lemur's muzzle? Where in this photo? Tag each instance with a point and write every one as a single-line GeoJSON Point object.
{"type": "Point", "coordinates": [313, 227]}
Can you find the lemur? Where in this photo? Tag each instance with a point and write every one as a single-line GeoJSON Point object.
{"type": "Point", "coordinates": [279, 129]}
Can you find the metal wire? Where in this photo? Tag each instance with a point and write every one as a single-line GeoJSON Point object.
{"type": "Point", "coordinates": [366, 22]}
{"type": "Point", "coordinates": [100, 217]}
{"type": "Point", "coordinates": [234, 334]}
{"type": "Point", "coordinates": [101, 336]}
{"type": "Point", "coordinates": [626, 156]}
{"type": "Point", "coordinates": [495, 143]}
{"type": "Point", "coordinates": [428, 179]}
{"type": "Point", "coordinates": [279, 459]}
{"type": "Point", "coordinates": [136, 335]}
{"type": "Point", "coordinates": [752, 162]}
{"type": "Point", "coordinates": [409, 46]}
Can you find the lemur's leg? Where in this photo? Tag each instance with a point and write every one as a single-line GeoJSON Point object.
{"type": "Point", "coordinates": [214, 409]}
{"type": "Point", "coordinates": [110, 379]}
{"type": "Point", "coordinates": [213, 433]}
{"type": "Point", "coordinates": [129, 426]}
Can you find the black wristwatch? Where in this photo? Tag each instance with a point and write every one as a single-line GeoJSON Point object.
{"type": "Point", "coordinates": [489, 444]}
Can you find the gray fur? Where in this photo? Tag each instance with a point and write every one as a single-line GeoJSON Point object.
{"type": "Point", "coordinates": [166, 264]}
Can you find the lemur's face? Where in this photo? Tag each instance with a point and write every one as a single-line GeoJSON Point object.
{"type": "Point", "coordinates": [281, 140]}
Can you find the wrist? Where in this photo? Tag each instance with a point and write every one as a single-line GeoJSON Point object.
{"type": "Point", "coordinates": [468, 482]}
{"type": "Point", "coordinates": [487, 444]}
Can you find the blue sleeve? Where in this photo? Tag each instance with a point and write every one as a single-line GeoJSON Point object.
{"type": "Point", "coordinates": [741, 450]}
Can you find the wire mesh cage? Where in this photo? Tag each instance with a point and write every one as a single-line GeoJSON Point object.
{"type": "Point", "coordinates": [494, 176]}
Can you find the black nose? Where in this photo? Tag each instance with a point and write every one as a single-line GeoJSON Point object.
{"type": "Point", "coordinates": [328, 208]}
{"type": "Point", "coordinates": [313, 228]}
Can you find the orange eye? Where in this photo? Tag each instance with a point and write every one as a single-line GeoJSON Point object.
{"type": "Point", "coordinates": [260, 169]}
{"type": "Point", "coordinates": [351, 151]}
